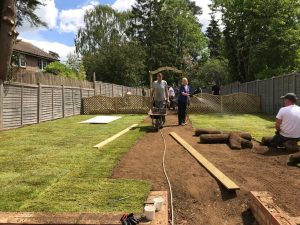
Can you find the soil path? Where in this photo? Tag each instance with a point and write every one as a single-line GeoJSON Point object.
{"type": "Point", "coordinates": [198, 197]}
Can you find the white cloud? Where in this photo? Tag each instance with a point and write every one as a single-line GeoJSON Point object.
{"type": "Point", "coordinates": [48, 13]}
{"type": "Point", "coordinates": [62, 49]}
{"type": "Point", "coordinates": [72, 19]}
{"type": "Point", "coordinates": [123, 5]}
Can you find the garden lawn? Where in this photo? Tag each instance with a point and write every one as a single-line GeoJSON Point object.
{"type": "Point", "coordinates": [257, 125]}
{"type": "Point", "coordinates": [53, 167]}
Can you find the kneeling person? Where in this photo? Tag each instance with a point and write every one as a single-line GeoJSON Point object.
{"type": "Point", "coordinates": [287, 122]}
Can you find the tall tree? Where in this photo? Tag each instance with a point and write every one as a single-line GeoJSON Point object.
{"type": "Point", "coordinates": [102, 26]}
{"type": "Point", "coordinates": [214, 35]}
{"type": "Point", "coordinates": [106, 48]}
{"type": "Point", "coordinates": [167, 30]}
{"type": "Point", "coordinates": [262, 37]}
{"type": "Point", "coordinates": [12, 14]}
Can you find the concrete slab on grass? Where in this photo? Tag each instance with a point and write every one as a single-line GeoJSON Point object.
{"type": "Point", "coordinates": [101, 119]}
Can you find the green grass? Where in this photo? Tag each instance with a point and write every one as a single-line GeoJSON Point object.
{"type": "Point", "coordinates": [53, 167]}
{"type": "Point", "coordinates": [257, 125]}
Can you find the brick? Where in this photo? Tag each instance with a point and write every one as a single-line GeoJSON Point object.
{"type": "Point", "coordinates": [266, 211]}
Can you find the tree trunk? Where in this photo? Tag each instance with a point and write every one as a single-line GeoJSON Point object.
{"type": "Point", "coordinates": [7, 35]}
{"type": "Point", "coordinates": [235, 141]}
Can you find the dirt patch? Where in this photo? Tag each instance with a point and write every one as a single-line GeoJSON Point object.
{"type": "Point", "coordinates": [198, 197]}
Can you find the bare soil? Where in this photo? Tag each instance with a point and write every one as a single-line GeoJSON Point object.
{"type": "Point", "coordinates": [198, 197]}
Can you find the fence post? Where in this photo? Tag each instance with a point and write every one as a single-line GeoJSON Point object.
{"type": "Point", "coordinates": [100, 87]}
{"type": "Point", "coordinates": [246, 87]}
{"type": "Point", "coordinates": [73, 102]}
{"type": "Point", "coordinates": [122, 90]}
{"type": "Point", "coordinates": [52, 103]}
{"type": "Point", "coordinates": [294, 83]}
{"type": "Point", "coordinates": [63, 100]}
{"type": "Point", "coordinates": [221, 103]}
{"type": "Point", "coordinates": [112, 90]}
{"type": "Point", "coordinates": [22, 90]}
{"type": "Point", "coordinates": [94, 82]}
{"type": "Point", "coordinates": [1, 104]}
{"type": "Point", "coordinates": [39, 105]}
{"type": "Point", "coordinates": [257, 87]}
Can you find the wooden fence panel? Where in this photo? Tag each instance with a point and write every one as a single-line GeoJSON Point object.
{"type": "Point", "coordinates": [46, 104]}
{"type": "Point", "coordinates": [12, 112]}
{"type": "Point", "coordinates": [58, 102]}
{"type": "Point", "coordinates": [29, 105]}
{"type": "Point", "coordinates": [68, 102]}
{"type": "Point", "coordinates": [23, 104]}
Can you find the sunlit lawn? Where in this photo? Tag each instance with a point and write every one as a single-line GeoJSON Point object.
{"type": "Point", "coordinates": [257, 125]}
{"type": "Point", "coordinates": [53, 167]}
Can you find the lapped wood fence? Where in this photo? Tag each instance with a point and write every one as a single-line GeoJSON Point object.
{"type": "Point", "coordinates": [52, 98]}
{"type": "Point", "coordinates": [270, 90]}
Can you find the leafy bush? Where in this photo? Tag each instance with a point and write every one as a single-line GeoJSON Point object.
{"type": "Point", "coordinates": [60, 69]}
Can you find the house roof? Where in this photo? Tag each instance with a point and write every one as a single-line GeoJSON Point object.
{"type": "Point", "coordinates": [29, 49]}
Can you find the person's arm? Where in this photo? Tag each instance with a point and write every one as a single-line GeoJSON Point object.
{"type": "Point", "coordinates": [278, 124]}
{"type": "Point", "coordinates": [279, 118]}
{"type": "Point", "coordinates": [151, 93]}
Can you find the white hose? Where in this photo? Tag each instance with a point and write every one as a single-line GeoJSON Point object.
{"type": "Point", "coordinates": [166, 175]}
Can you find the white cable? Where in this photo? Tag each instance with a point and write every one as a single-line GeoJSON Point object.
{"type": "Point", "coordinates": [166, 175]}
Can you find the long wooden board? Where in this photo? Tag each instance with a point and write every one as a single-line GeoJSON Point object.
{"type": "Point", "coordinates": [112, 138]}
{"type": "Point", "coordinates": [229, 184]}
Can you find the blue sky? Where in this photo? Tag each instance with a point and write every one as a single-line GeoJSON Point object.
{"type": "Point", "coordinates": [64, 17]}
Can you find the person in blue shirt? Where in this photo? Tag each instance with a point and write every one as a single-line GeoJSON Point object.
{"type": "Point", "coordinates": [183, 97]}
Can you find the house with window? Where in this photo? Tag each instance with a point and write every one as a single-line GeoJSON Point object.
{"type": "Point", "coordinates": [31, 58]}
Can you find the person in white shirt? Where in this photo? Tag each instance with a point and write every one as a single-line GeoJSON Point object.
{"type": "Point", "coordinates": [287, 122]}
{"type": "Point", "coordinates": [171, 98]}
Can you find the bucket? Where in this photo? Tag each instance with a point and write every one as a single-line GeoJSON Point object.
{"type": "Point", "coordinates": [158, 203]}
{"type": "Point", "coordinates": [149, 212]}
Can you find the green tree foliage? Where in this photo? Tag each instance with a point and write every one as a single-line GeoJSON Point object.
{"type": "Point", "coordinates": [262, 37]}
{"type": "Point", "coordinates": [107, 50]}
{"type": "Point", "coordinates": [26, 12]}
{"type": "Point", "coordinates": [213, 70]}
{"type": "Point", "coordinates": [63, 70]}
{"type": "Point", "coordinates": [214, 35]}
{"type": "Point", "coordinates": [168, 30]}
{"type": "Point", "coordinates": [119, 63]}
{"type": "Point", "coordinates": [103, 25]}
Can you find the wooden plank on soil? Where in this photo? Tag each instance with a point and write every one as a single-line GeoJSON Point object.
{"type": "Point", "coordinates": [228, 183]}
{"type": "Point", "coordinates": [266, 212]}
{"type": "Point", "coordinates": [103, 143]}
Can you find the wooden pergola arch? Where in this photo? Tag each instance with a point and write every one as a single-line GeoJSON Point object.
{"type": "Point", "coordinates": [165, 68]}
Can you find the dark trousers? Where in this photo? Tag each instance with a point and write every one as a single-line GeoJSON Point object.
{"type": "Point", "coordinates": [278, 140]}
{"type": "Point", "coordinates": [181, 112]}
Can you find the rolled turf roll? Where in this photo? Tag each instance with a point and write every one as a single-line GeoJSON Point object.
{"type": "Point", "coordinates": [214, 138]}
{"type": "Point", "coordinates": [246, 144]}
{"type": "Point", "coordinates": [221, 138]}
{"type": "Point", "coordinates": [201, 131]}
{"type": "Point", "coordinates": [235, 141]}
{"type": "Point", "coordinates": [295, 158]}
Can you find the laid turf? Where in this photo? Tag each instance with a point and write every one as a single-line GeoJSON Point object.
{"type": "Point", "coordinates": [257, 125]}
{"type": "Point", "coordinates": [53, 167]}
